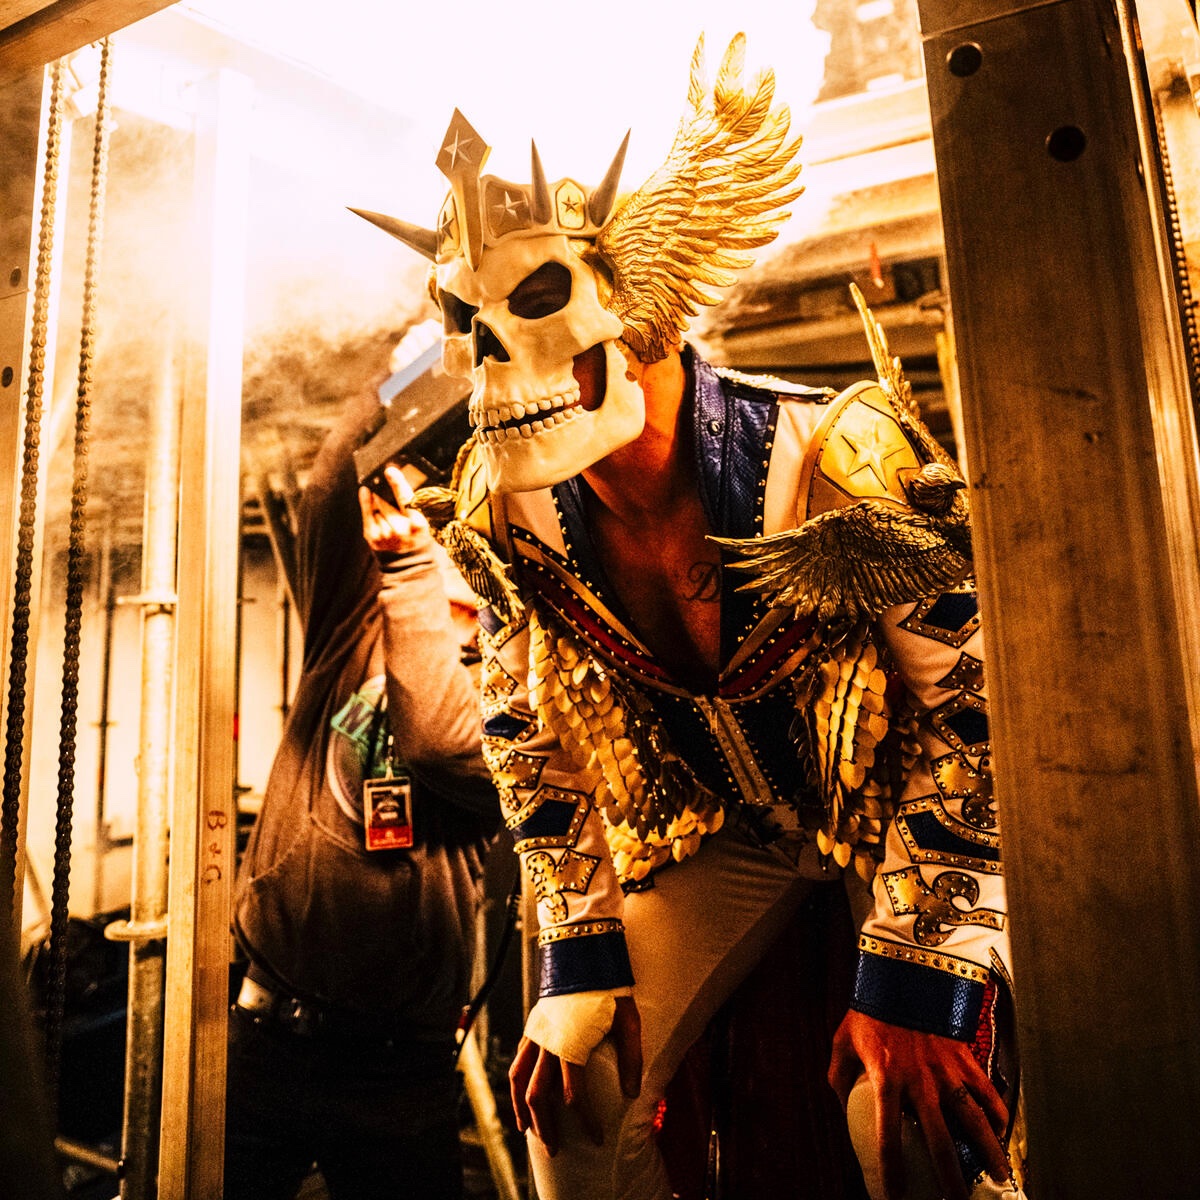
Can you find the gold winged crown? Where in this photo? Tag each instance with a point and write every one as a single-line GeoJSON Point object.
{"type": "Point", "coordinates": [718, 196]}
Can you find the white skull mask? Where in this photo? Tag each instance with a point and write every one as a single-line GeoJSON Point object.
{"type": "Point", "coordinates": [552, 395]}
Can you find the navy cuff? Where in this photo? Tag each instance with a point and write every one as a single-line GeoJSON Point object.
{"type": "Point", "coordinates": [584, 964]}
{"type": "Point", "coordinates": [917, 997]}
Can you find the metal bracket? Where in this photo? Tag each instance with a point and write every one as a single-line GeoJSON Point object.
{"type": "Point", "coordinates": [136, 931]}
{"type": "Point", "coordinates": [152, 601]}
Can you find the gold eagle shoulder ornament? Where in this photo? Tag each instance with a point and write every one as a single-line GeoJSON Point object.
{"type": "Point", "coordinates": [883, 515]}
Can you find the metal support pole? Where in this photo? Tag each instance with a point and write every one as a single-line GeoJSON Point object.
{"type": "Point", "coordinates": [204, 812]}
{"type": "Point", "coordinates": [146, 929]}
{"type": "Point", "coordinates": [285, 651]}
{"type": "Point", "coordinates": [1082, 447]}
{"type": "Point", "coordinates": [101, 840]}
{"type": "Point", "coordinates": [279, 526]}
{"type": "Point", "coordinates": [487, 1121]}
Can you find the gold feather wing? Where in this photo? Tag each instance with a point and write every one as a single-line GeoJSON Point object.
{"type": "Point", "coordinates": [854, 562]}
{"type": "Point", "coordinates": [717, 197]}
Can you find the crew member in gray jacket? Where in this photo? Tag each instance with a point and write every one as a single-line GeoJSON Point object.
{"type": "Point", "coordinates": [358, 890]}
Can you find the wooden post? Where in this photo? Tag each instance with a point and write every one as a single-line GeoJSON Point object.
{"type": "Point", "coordinates": [205, 814]}
{"type": "Point", "coordinates": [1081, 447]}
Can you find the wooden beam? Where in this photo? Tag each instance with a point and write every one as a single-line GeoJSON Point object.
{"type": "Point", "coordinates": [18, 10]}
{"type": "Point", "coordinates": [64, 26]}
{"type": "Point", "coordinates": [1081, 446]}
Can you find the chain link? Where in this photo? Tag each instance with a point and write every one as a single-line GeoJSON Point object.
{"type": "Point", "coordinates": [1183, 283]}
{"type": "Point", "coordinates": [10, 806]}
{"type": "Point", "coordinates": [76, 577]}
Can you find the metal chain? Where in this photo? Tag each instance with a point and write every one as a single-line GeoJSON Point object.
{"type": "Point", "coordinates": [10, 806]}
{"type": "Point", "coordinates": [60, 892]}
{"type": "Point", "coordinates": [1183, 284]}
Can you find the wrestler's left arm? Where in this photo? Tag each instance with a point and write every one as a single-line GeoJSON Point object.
{"type": "Point", "coordinates": [926, 951]}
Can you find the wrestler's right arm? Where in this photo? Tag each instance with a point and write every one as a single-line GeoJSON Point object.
{"type": "Point", "coordinates": [585, 985]}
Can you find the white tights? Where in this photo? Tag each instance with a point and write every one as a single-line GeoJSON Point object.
{"type": "Point", "coordinates": [693, 938]}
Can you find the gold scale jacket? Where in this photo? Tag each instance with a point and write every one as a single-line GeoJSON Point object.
{"type": "Point", "coordinates": [850, 711]}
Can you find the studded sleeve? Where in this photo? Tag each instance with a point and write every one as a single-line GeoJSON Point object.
{"type": "Point", "coordinates": [547, 792]}
{"type": "Point", "coordinates": [938, 927]}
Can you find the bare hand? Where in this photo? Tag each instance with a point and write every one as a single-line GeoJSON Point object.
{"type": "Point", "coordinates": [929, 1076]}
{"type": "Point", "coordinates": [538, 1079]}
{"type": "Point", "coordinates": [393, 528]}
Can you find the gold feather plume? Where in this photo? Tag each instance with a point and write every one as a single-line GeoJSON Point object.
{"type": "Point", "coordinates": [717, 197]}
{"type": "Point", "coordinates": [895, 385]}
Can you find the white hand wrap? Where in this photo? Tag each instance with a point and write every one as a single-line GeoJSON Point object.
{"type": "Point", "coordinates": [573, 1025]}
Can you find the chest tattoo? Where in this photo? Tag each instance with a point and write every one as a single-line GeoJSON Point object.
{"type": "Point", "coordinates": [705, 581]}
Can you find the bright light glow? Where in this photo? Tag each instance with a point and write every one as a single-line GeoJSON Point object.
{"type": "Point", "coordinates": [538, 70]}
{"type": "Point", "coordinates": [872, 10]}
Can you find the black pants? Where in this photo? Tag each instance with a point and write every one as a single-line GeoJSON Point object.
{"type": "Point", "coordinates": [380, 1122]}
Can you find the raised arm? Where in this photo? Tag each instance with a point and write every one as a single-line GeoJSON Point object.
{"type": "Point", "coordinates": [433, 697]}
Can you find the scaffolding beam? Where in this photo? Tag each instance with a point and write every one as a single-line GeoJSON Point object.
{"type": "Point", "coordinates": [1081, 448]}
{"type": "Point", "coordinates": [61, 27]}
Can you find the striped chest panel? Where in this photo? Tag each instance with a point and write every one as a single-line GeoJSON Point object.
{"type": "Point", "coordinates": [740, 741]}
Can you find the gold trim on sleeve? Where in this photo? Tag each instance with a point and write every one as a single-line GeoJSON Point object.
{"type": "Point", "coordinates": [921, 854]}
{"type": "Point", "coordinates": [545, 795]}
{"type": "Point", "coordinates": [925, 958]}
{"type": "Point", "coordinates": [937, 915]}
{"type": "Point", "coordinates": [915, 621]}
{"type": "Point", "coordinates": [957, 779]}
{"type": "Point", "coordinates": [558, 933]}
{"type": "Point", "coordinates": [552, 877]}
{"type": "Point", "coordinates": [965, 675]}
{"type": "Point", "coordinates": [941, 717]}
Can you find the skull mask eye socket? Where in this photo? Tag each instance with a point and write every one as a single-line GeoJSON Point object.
{"type": "Point", "coordinates": [456, 313]}
{"type": "Point", "coordinates": [545, 291]}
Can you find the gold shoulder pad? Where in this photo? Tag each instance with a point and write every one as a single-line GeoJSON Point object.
{"type": "Point", "coordinates": [880, 519]}
{"type": "Point", "coordinates": [860, 451]}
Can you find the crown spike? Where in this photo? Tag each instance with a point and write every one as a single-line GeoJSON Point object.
{"type": "Point", "coordinates": [423, 241]}
{"type": "Point", "coordinates": [600, 205]}
{"type": "Point", "coordinates": [461, 160]}
{"type": "Point", "coordinates": [541, 206]}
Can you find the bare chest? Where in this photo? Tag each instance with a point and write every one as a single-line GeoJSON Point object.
{"type": "Point", "coordinates": [668, 579]}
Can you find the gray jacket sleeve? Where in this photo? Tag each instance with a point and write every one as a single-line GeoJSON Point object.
{"type": "Point", "coordinates": [433, 697]}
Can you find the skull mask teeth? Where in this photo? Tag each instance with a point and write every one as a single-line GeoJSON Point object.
{"type": "Point", "coordinates": [551, 394]}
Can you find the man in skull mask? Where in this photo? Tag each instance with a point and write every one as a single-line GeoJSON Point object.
{"type": "Point", "coordinates": [731, 645]}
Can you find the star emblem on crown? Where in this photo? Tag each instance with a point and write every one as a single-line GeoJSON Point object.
{"type": "Point", "coordinates": [463, 149]}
